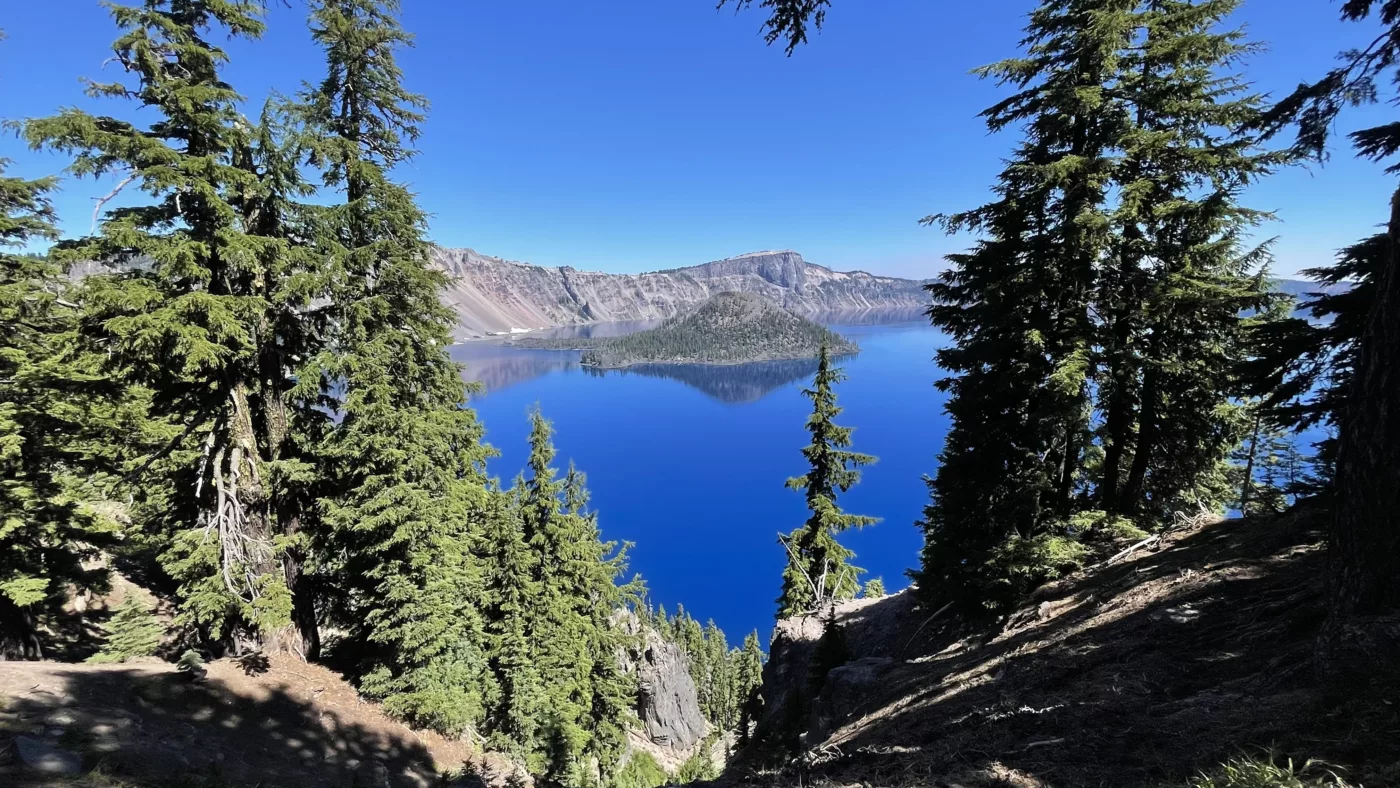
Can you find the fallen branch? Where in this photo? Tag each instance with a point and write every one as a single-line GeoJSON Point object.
{"type": "Point", "coordinates": [940, 611]}
{"type": "Point", "coordinates": [1041, 743]}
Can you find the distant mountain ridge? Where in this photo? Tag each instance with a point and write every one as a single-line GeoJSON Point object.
{"type": "Point", "coordinates": [492, 295]}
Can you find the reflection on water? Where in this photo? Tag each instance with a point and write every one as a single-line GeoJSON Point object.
{"type": "Point", "coordinates": [496, 365]}
{"type": "Point", "coordinates": [870, 317]}
{"type": "Point", "coordinates": [731, 383]}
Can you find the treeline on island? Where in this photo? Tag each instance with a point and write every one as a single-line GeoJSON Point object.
{"type": "Point", "coordinates": [729, 328]}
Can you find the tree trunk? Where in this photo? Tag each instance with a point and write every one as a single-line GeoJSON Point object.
{"type": "Point", "coordinates": [1361, 636]}
{"type": "Point", "coordinates": [19, 638]}
{"type": "Point", "coordinates": [1131, 495]}
{"type": "Point", "coordinates": [1247, 486]}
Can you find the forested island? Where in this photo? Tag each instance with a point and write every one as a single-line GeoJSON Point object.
{"type": "Point", "coordinates": [729, 328]}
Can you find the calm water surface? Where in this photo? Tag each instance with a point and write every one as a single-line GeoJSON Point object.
{"type": "Point", "coordinates": [688, 462]}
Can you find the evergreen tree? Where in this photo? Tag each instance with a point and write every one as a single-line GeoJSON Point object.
{"type": "Point", "coordinates": [511, 591]}
{"type": "Point", "coordinates": [193, 313]}
{"type": "Point", "coordinates": [874, 588]}
{"type": "Point", "coordinates": [47, 401]}
{"type": "Point", "coordinates": [1365, 544]}
{"type": "Point", "coordinates": [134, 631]}
{"type": "Point", "coordinates": [403, 493]}
{"type": "Point", "coordinates": [575, 637]}
{"type": "Point", "coordinates": [748, 679]}
{"type": "Point", "coordinates": [818, 568]}
{"type": "Point", "coordinates": [1301, 369]}
{"type": "Point", "coordinates": [1017, 308]}
{"type": "Point", "coordinates": [1181, 281]}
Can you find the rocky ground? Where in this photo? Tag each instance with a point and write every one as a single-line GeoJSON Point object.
{"type": "Point", "coordinates": [280, 723]}
{"type": "Point", "coordinates": [270, 721]}
{"type": "Point", "coordinates": [1146, 671]}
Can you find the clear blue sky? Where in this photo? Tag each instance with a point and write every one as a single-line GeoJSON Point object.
{"type": "Point", "coordinates": [642, 134]}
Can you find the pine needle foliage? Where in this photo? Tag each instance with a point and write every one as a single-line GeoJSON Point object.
{"type": "Point", "coordinates": [192, 313]}
{"type": "Point", "coordinates": [818, 569]}
{"type": "Point", "coordinates": [1099, 322]}
{"type": "Point", "coordinates": [52, 410]}
{"type": "Point", "coordinates": [134, 631]}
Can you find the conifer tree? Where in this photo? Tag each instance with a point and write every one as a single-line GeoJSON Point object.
{"type": "Point", "coordinates": [1364, 551]}
{"type": "Point", "coordinates": [1301, 369]}
{"type": "Point", "coordinates": [194, 307]}
{"type": "Point", "coordinates": [516, 708]}
{"type": "Point", "coordinates": [748, 673]}
{"type": "Point", "coordinates": [46, 398]}
{"type": "Point", "coordinates": [1181, 280]}
{"type": "Point", "coordinates": [1017, 307]}
{"type": "Point", "coordinates": [575, 636]}
{"type": "Point", "coordinates": [405, 496]}
{"type": "Point", "coordinates": [134, 631]}
{"type": "Point", "coordinates": [818, 568]}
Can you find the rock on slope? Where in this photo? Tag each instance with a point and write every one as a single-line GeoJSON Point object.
{"type": "Point", "coordinates": [493, 295]}
{"type": "Point", "coordinates": [1140, 673]}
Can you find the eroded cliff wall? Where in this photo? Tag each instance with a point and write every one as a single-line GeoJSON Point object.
{"type": "Point", "coordinates": [494, 295]}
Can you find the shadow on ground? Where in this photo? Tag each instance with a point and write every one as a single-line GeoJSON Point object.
{"type": "Point", "coordinates": [1144, 672]}
{"type": "Point", "coordinates": [157, 727]}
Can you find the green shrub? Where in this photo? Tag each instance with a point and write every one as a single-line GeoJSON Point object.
{"type": "Point", "coordinates": [133, 632]}
{"type": "Point", "coordinates": [697, 767]}
{"type": "Point", "coordinates": [874, 588]}
{"type": "Point", "coordinates": [1019, 564]}
{"type": "Point", "coordinates": [640, 771]}
{"type": "Point", "coordinates": [1266, 772]}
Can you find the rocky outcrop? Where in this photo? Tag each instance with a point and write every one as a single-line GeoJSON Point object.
{"type": "Point", "coordinates": [802, 699]}
{"type": "Point", "coordinates": [667, 703]}
{"type": "Point", "coordinates": [492, 295]}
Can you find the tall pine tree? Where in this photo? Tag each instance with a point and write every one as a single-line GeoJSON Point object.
{"type": "Point", "coordinates": [818, 569]}
{"type": "Point", "coordinates": [48, 401]}
{"type": "Point", "coordinates": [196, 304]}
{"type": "Point", "coordinates": [1364, 551]}
{"type": "Point", "coordinates": [574, 637]}
{"type": "Point", "coordinates": [405, 496]}
{"type": "Point", "coordinates": [1017, 307]}
{"type": "Point", "coordinates": [1180, 280]}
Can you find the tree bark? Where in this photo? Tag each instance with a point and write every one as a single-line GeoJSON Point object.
{"type": "Point", "coordinates": [1361, 634]}
{"type": "Point", "coordinates": [1247, 486]}
{"type": "Point", "coordinates": [1131, 495]}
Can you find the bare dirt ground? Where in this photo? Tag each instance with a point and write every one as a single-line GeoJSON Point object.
{"type": "Point", "coordinates": [1143, 672]}
{"type": "Point", "coordinates": [295, 724]}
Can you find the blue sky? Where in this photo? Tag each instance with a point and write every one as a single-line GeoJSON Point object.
{"type": "Point", "coordinates": [643, 134]}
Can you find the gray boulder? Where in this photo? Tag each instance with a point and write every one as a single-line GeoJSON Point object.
{"type": "Point", "coordinates": [667, 702]}
{"type": "Point", "coordinates": [46, 759]}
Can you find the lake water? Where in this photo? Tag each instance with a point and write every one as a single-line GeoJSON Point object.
{"type": "Point", "coordinates": [688, 462]}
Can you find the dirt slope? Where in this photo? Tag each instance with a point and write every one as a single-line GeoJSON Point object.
{"type": "Point", "coordinates": [293, 725]}
{"type": "Point", "coordinates": [1140, 673]}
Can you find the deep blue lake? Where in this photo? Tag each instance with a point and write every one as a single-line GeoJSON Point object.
{"type": "Point", "coordinates": [688, 462]}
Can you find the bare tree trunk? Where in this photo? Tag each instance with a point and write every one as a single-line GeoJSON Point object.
{"type": "Point", "coordinates": [1361, 636]}
{"type": "Point", "coordinates": [1131, 494]}
{"type": "Point", "coordinates": [1247, 486]}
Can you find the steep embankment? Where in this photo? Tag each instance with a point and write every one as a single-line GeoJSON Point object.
{"type": "Point", "coordinates": [278, 721]}
{"type": "Point", "coordinates": [1145, 671]}
{"type": "Point", "coordinates": [494, 295]}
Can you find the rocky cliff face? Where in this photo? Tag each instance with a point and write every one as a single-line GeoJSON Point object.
{"type": "Point", "coordinates": [494, 295]}
{"type": "Point", "coordinates": [667, 702]}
